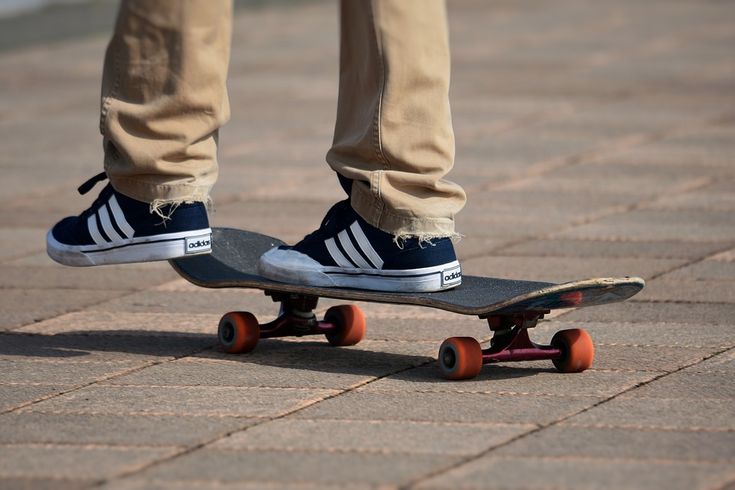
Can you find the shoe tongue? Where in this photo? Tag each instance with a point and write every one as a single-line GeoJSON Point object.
{"type": "Point", "coordinates": [333, 215]}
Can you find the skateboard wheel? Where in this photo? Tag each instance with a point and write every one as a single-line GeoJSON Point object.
{"type": "Point", "coordinates": [238, 332]}
{"type": "Point", "coordinates": [350, 322]}
{"type": "Point", "coordinates": [460, 358]}
{"type": "Point", "coordinates": [577, 349]}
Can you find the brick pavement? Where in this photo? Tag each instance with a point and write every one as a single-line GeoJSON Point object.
{"type": "Point", "coordinates": [594, 138]}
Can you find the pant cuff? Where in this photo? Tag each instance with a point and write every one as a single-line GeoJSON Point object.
{"type": "Point", "coordinates": [401, 226]}
{"type": "Point", "coordinates": [161, 193]}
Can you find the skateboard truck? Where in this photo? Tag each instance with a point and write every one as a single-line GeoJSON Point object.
{"type": "Point", "coordinates": [343, 325]}
{"type": "Point", "coordinates": [463, 357]}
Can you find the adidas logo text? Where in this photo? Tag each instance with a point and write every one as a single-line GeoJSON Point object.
{"type": "Point", "coordinates": [198, 244]}
{"type": "Point", "coordinates": [452, 276]}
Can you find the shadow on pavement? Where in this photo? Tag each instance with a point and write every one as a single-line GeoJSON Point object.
{"type": "Point", "coordinates": [123, 345]}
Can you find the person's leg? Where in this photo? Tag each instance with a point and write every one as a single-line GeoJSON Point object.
{"type": "Point", "coordinates": [163, 101]}
{"type": "Point", "coordinates": [164, 97]}
{"type": "Point", "coordinates": [393, 136]}
{"type": "Point", "coordinates": [393, 145]}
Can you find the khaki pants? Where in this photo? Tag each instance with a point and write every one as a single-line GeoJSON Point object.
{"type": "Point", "coordinates": [164, 99]}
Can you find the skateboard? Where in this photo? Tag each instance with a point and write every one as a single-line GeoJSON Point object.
{"type": "Point", "coordinates": [510, 308]}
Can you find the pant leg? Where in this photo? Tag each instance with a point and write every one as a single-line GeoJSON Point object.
{"type": "Point", "coordinates": [164, 97]}
{"type": "Point", "coordinates": [393, 135]}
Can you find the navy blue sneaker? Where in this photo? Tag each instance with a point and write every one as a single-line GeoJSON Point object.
{"type": "Point", "coordinates": [117, 229]}
{"type": "Point", "coordinates": [348, 252]}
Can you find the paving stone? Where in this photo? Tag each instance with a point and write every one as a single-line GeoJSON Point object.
{"type": "Point", "coordinates": [367, 404]}
{"type": "Point", "coordinates": [242, 373]}
{"type": "Point", "coordinates": [562, 269]}
{"type": "Point", "coordinates": [29, 372]}
{"type": "Point", "coordinates": [474, 245]}
{"type": "Point", "coordinates": [375, 312]}
{"type": "Point", "coordinates": [368, 358]}
{"type": "Point", "coordinates": [517, 205]}
{"type": "Point", "coordinates": [18, 483]}
{"type": "Point", "coordinates": [166, 483]}
{"type": "Point", "coordinates": [688, 290]}
{"type": "Point", "coordinates": [27, 427]}
{"type": "Point", "coordinates": [726, 256]}
{"type": "Point", "coordinates": [723, 363]}
{"type": "Point", "coordinates": [646, 358]}
{"type": "Point", "coordinates": [12, 396]}
{"type": "Point", "coordinates": [121, 349]}
{"type": "Point", "coordinates": [683, 150]}
{"type": "Point", "coordinates": [617, 443]}
{"type": "Point", "coordinates": [427, 331]}
{"type": "Point", "coordinates": [679, 315]}
{"type": "Point", "coordinates": [631, 411]}
{"type": "Point", "coordinates": [654, 225]}
{"type": "Point", "coordinates": [609, 178]}
{"type": "Point", "coordinates": [296, 467]}
{"type": "Point", "coordinates": [645, 333]}
{"type": "Point", "coordinates": [20, 242]}
{"type": "Point", "coordinates": [687, 385]}
{"type": "Point", "coordinates": [26, 306]}
{"type": "Point", "coordinates": [117, 323]}
{"type": "Point", "coordinates": [612, 249]}
{"type": "Point", "coordinates": [60, 277]}
{"type": "Point", "coordinates": [371, 436]}
{"type": "Point", "coordinates": [274, 218]}
{"type": "Point", "coordinates": [717, 197]}
{"type": "Point", "coordinates": [199, 301]}
{"type": "Point", "coordinates": [189, 400]}
{"type": "Point", "coordinates": [38, 461]}
{"type": "Point", "coordinates": [541, 379]}
{"type": "Point", "coordinates": [714, 270]}
{"type": "Point", "coordinates": [528, 472]}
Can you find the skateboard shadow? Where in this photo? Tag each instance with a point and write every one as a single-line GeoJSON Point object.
{"type": "Point", "coordinates": [306, 355]}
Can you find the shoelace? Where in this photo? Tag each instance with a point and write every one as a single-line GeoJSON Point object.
{"type": "Point", "coordinates": [89, 184]}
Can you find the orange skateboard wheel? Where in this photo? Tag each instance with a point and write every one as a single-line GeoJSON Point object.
{"type": "Point", "coordinates": [460, 358]}
{"type": "Point", "coordinates": [238, 332]}
{"type": "Point", "coordinates": [350, 322]}
{"type": "Point", "coordinates": [577, 349]}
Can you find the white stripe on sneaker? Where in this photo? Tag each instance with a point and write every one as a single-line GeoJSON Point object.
{"type": "Point", "coordinates": [364, 244]}
{"type": "Point", "coordinates": [94, 231]}
{"type": "Point", "coordinates": [344, 240]}
{"type": "Point", "coordinates": [107, 225]}
{"type": "Point", "coordinates": [337, 256]}
{"type": "Point", "coordinates": [119, 217]}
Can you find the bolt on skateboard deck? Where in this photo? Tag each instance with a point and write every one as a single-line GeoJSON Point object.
{"type": "Point", "coordinates": [510, 307]}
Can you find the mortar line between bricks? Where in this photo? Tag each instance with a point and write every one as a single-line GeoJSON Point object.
{"type": "Point", "coordinates": [583, 157]}
{"type": "Point", "coordinates": [542, 427]}
{"type": "Point", "coordinates": [98, 380]}
{"type": "Point", "coordinates": [689, 263]}
{"type": "Point", "coordinates": [196, 447]}
{"type": "Point", "coordinates": [678, 301]}
{"type": "Point", "coordinates": [729, 483]}
{"type": "Point", "coordinates": [202, 445]}
{"type": "Point", "coordinates": [88, 445]}
{"type": "Point", "coordinates": [85, 307]}
{"type": "Point", "coordinates": [650, 428]}
{"type": "Point", "coordinates": [697, 183]}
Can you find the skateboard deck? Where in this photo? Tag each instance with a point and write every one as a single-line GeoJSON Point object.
{"type": "Point", "coordinates": [510, 306]}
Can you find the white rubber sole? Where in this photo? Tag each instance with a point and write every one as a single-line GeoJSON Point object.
{"type": "Point", "coordinates": [144, 249]}
{"type": "Point", "coordinates": [296, 268]}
